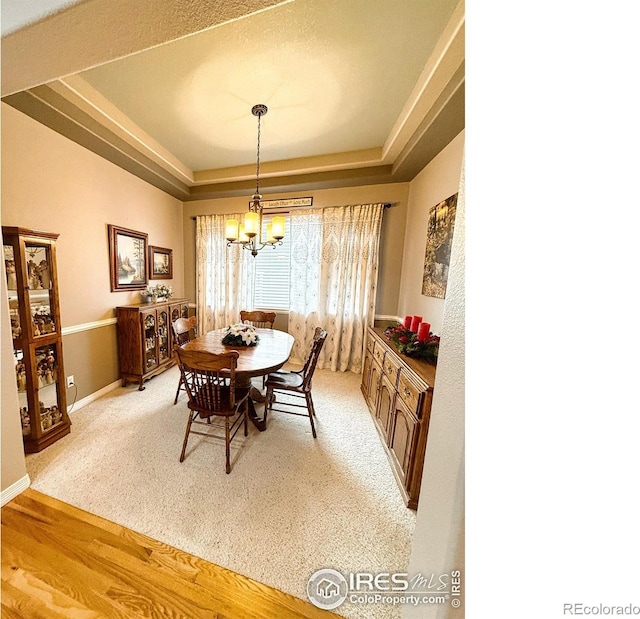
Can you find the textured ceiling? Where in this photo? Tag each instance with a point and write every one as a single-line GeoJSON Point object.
{"type": "Point", "coordinates": [16, 14]}
{"type": "Point", "coordinates": [359, 91]}
{"type": "Point", "coordinates": [335, 75]}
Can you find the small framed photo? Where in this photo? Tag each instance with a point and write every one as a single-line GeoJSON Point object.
{"type": "Point", "coordinates": [160, 263]}
{"type": "Point", "coordinates": [127, 259]}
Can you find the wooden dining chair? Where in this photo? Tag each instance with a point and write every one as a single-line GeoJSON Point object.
{"type": "Point", "coordinates": [184, 330]}
{"type": "Point", "coordinates": [296, 384]}
{"type": "Point", "coordinates": [210, 383]}
{"type": "Point", "coordinates": [262, 320]}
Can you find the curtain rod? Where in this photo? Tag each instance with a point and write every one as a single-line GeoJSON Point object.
{"type": "Point", "coordinates": [385, 205]}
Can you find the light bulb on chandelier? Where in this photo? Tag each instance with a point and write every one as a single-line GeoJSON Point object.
{"type": "Point", "coordinates": [249, 233]}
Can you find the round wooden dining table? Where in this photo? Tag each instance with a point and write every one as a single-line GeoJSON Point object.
{"type": "Point", "coordinates": [270, 353]}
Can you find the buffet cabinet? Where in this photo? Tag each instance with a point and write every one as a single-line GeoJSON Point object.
{"type": "Point", "coordinates": [34, 311]}
{"type": "Point", "coordinates": [398, 391]}
{"type": "Point", "coordinates": [145, 338]}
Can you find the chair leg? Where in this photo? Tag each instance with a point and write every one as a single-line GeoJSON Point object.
{"type": "Point", "coordinates": [186, 435]}
{"type": "Point", "coordinates": [268, 403]}
{"type": "Point", "coordinates": [227, 444]}
{"type": "Point", "coordinates": [178, 391]}
{"type": "Point", "coordinates": [246, 417]}
{"type": "Point", "coordinates": [311, 412]}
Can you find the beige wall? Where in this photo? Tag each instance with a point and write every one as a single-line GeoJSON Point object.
{"type": "Point", "coordinates": [50, 183]}
{"type": "Point", "coordinates": [438, 181]}
{"type": "Point", "coordinates": [393, 224]}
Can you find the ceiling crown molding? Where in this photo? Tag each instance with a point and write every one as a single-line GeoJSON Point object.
{"type": "Point", "coordinates": [81, 95]}
{"type": "Point", "coordinates": [444, 63]}
{"type": "Point", "coordinates": [431, 118]}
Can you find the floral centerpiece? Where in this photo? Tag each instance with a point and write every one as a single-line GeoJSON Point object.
{"type": "Point", "coordinates": [408, 343]}
{"type": "Point", "coordinates": [240, 335]}
{"type": "Point", "coordinates": [159, 291]}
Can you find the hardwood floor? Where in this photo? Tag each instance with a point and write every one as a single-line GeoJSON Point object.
{"type": "Point", "coordinates": [61, 562]}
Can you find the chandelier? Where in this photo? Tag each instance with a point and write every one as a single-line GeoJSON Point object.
{"type": "Point", "coordinates": [249, 233]}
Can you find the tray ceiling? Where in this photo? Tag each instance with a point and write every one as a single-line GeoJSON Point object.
{"type": "Point", "coordinates": [358, 92]}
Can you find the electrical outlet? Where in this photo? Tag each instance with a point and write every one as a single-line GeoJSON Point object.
{"type": "Point", "coordinates": [70, 381]}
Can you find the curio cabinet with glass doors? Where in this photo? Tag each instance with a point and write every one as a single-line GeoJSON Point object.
{"type": "Point", "coordinates": [34, 308]}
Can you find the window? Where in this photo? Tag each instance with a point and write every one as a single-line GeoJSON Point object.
{"type": "Point", "coordinates": [273, 273]}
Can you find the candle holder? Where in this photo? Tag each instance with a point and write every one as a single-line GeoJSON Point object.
{"type": "Point", "coordinates": [408, 343]}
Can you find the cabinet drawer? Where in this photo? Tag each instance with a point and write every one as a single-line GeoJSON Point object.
{"type": "Point", "coordinates": [391, 368]}
{"type": "Point", "coordinates": [410, 394]}
{"type": "Point", "coordinates": [370, 344]}
{"type": "Point", "coordinates": [378, 352]}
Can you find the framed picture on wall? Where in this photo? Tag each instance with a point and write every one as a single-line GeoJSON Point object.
{"type": "Point", "coordinates": [127, 259]}
{"type": "Point", "coordinates": [160, 263]}
{"type": "Point", "coordinates": [442, 218]}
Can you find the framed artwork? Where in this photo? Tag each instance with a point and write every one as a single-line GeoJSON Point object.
{"type": "Point", "coordinates": [160, 263]}
{"type": "Point", "coordinates": [127, 259]}
{"type": "Point", "coordinates": [442, 218]}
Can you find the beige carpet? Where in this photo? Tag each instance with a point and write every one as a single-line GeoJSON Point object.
{"type": "Point", "coordinates": [290, 506]}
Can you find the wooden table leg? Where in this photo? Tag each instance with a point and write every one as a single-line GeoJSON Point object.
{"type": "Point", "coordinates": [254, 396]}
{"type": "Point", "coordinates": [258, 422]}
{"type": "Point", "coordinates": [257, 395]}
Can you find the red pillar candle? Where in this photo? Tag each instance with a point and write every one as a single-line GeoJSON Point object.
{"type": "Point", "coordinates": [423, 332]}
{"type": "Point", "coordinates": [407, 322]}
{"type": "Point", "coordinates": [415, 322]}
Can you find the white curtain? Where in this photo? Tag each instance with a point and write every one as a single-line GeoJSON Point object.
{"type": "Point", "coordinates": [334, 274]}
{"type": "Point", "coordinates": [224, 277]}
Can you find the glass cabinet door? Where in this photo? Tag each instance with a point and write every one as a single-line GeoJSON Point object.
{"type": "Point", "coordinates": [150, 341]}
{"type": "Point", "coordinates": [47, 385]}
{"type": "Point", "coordinates": [39, 288]}
{"type": "Point", "coordinates": [179, 311]}
{"type": "Point", "coordinates": [163, 335]}
{"type": "Point", "coordinates": [21, 380]}
{"type": "Point", "coordinates": [12, 290]}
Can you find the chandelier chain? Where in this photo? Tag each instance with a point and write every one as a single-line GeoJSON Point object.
{"type": "Point", "coordinates": [258, 157]}
{"type": "Point", "coordinates": [249, 234]}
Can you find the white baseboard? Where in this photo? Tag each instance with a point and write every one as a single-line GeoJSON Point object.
{"type": "Point", "coordinates": [14, 490]}
{"type": "Point", "coordinates": [94, 396]}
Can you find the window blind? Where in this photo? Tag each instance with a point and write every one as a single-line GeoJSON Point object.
{"type": "Point", "coordinates": [273, 273]}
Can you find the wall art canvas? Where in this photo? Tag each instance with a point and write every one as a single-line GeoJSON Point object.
{"type": "Point", "coordinates": [160, 263]}
{"type": "Point", "coordinates": [437, 254]}
{"type": "Point", "coordinates": [127, 259]}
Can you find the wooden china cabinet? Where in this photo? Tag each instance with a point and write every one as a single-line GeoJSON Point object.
{"type": "Point", "coordinates": [145, 338]}
{"type": "Point", "coordinates": [34, 309]}
{"type": "Point", "coordinates": [398, 391]}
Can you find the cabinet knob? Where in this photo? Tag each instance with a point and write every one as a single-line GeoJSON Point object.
{"type": "Point", "coordinates": [407, 392]}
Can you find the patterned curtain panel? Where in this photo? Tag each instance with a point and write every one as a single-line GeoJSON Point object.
{"type": "Point", "coordinates": [334, 274]}
{"type": "Point", "coordinates": [224, 275]}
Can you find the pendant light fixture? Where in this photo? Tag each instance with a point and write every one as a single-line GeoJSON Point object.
{"type": "Point", "coordinates": [249, 233]}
